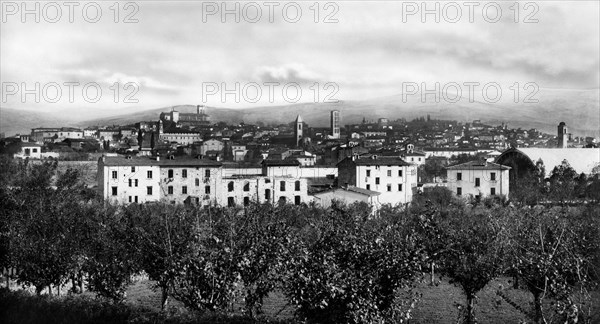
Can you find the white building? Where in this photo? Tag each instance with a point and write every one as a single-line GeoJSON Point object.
{"type": "Point", "coordinates": [29, 151]}
{"type": "Point", "coordinates": [211, 145]}
{"type": "Point", "coordinates": [392, 177]}
{"type": "Point", "coordinates": [478, 179]}
{"type": "Point", "coordinates": [142, 179]}
{"type": "Point", "coordinates": [195, 181]}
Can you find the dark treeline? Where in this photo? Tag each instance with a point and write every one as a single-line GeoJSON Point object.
{"type": "Point", "coordinates": [344, 264]}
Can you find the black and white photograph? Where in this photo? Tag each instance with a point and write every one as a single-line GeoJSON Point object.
{"type": "Point", "coordinates": [354, 161]}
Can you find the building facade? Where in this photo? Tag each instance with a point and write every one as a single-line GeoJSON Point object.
{"type": "Point", "coordinates": [478, 179]}
{"type": "Point", "coordinates": [392, 177]}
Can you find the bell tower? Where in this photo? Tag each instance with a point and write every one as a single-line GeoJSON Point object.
{"type": "Point", "coordinates": [298, 130]}
{"type": "Point", "coordinates": [563, 136]}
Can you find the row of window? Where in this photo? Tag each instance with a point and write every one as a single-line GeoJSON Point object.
{"type": "Point", "coordinates": [282, 200]}
{"type": "Point", "coordinates": [477, 180]}
{"type": "Point", "coordinates": [389, 173]}
{"type": "Point", "coordinates": [231, 186]}
{"type": "Point", "coordinates": [459, 191]}
{"type": "Point", "coordinates": [170, 189]}
{"type": "Point", "coordinates": [389, 186]}
{"type": "Point", "coordinates": [170, 173]}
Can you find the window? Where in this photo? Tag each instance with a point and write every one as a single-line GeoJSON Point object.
{"type": "Point", "coordinates": [477, 182]}
{"type": "Point", "coordinates": [34, 150]}
{"type": "Point", "coordinates": [246, 201]}
{"type": "Point", "coordinates": [399, 187]}
{"type": "Point", "coordinates": [267, 194]}
{"type": "Point", "coordinates": [207, 173]}
{"type": "Point", "coordinates": [231, 201]}
{"type": "Point", "coordinates": [368, 173]}
{"type": "Point", "coordinates": [492, 191]}
{"type": "Point", "coordinates": [247, 186]}
{"type": "Point", "coordinates": [458, 176]}
{"type": "Point", "coordinates": [282, 200]}
{"type": "Point", "coordinates": [458, 191]}
{"type": "Point", "coordinates": [114, 174]}
{"type": "Point", "coordinates": [230, 186]}
{"type": "Point", "coordinates": [132, 169]}
{"type": "Point", "coordinates": [135, 199]}
{"type": "Point", "coordinates": [368, 187]}
{"type": "Point", "coordinates": [206, 189]}
{"type": "Point", "coordinates": [149, 174]}
{"type": "Point", "coordinates": [493, 176]}
{"type": "Point", "coordinates": [389, 187]}
{"type": "Point", "coordinates": [412, 159]}
{"type": "Point", "coordinates": [170, 173]}
{"type": "Point", "coordinates": [297, 200]}
{"type": "Point", "coordinates": [389, 173]}
{"type": "Point", "coordinates": [197, 182]}
{"type": "Point", "coordinates": [114, 191]}
{"type": "Point", "coordinates": [129, 182]}
{"type": "Point", "coordinates": [297, 186]}
{"type": "Point", "coordinates": [136, 182]}
{"type": "Point", "coordinates": [170, 190]}
{"type": "Point", "coordinates": [184, 173]}
{"type": "Point", "coordinates": [130, 199]}
{"type": "Point", "coordinates": [399, 173]}
{"type": "Point", "coordinates": [184, 190]}
{"type": "Point", "coordinates": [149, 190]}
{"type": "Point", "coordinates": [377, 180]}
{"type": "Point", "coordinates": [282, 186]}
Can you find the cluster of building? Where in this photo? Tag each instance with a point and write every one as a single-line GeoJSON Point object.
{"type": "Point", "coordinates": [184, 158]}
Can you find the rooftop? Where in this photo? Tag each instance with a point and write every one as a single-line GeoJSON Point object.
{"type": "Point", "coordinates": [377, 160]}
{"type": "Point", "coordinates": [164, 161]}
{"type": "Point", "coordinates": [478, 165]}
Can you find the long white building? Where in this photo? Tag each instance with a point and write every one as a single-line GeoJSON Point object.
{"type": "Point", "coordinates": [195, 181]}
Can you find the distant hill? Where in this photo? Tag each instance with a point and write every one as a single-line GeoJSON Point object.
{"type": "Point", "coordinates": [580, 109]}
{"type": "Point", "coordinates": [13, 121]}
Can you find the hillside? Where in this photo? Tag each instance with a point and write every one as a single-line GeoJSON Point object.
{"type": "Point", "coordinates": [580, 109]}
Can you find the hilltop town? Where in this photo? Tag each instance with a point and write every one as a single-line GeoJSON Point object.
{"type": "Point", "coordinates": [187, 158]}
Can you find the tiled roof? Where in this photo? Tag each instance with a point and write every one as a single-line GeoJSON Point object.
{"type": "Point", "coordinates": [478, 165]}
{"type": "Point", "coordinates": [378, 160]}
{"type": "Point", "coordinates": [164, 161]}
{"type": "Point", "coordinates": [281, 162]}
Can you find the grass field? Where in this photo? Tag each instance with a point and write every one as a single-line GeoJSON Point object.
{"type": "Point", "coordinates": [438, 303]}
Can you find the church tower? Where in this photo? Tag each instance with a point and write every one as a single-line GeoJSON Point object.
{"type": "Point", "coordinates": [298, 131]}
{"type": "Point", "coordinates": [563, 136]}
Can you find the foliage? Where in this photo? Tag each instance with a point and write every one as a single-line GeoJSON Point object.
{"type": "Point", "coordinates": [476, 249]}
{"type": "Point", "coordinates": [555, 252]}
{"type": "Point", "coordinates": [346, 268]}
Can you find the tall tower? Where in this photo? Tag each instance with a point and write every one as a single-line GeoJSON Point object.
{"type": "Point", "coordinates": [298, 130]}
{"type": "Point", "coordinates": [335, 123]}
{"type": "Point", "coordinates": [563, 136]}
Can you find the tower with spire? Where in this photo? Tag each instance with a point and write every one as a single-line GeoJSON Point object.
{"type": "Point", "coordinates": [298, 130]}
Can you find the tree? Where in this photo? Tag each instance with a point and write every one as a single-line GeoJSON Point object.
{"type": "Point", "coordinates": [347, 267]}
{"type": "Point", "coordinates": [111, 253]}
{"type": "Point", "coordinates": [562, 182]}
{"type": "Point", "coordinates": [476, 248]}
{"type": "Point", "coordinates": [554, 251]}
{"type": "Point", "coordinates": [162, 233]}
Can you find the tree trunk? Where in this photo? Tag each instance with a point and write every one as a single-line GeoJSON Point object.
{"type": "Point", "coordinates": [537, 304]}
{"type": "Point", "coordinates": [58, 290]}
{"type": "Point", "coordinates": [432, 274]}
{"type": "Point", "coordinates": [80, 282]}
{"type": "Point", "coordinates": [470, 309]}
{"type": "Point", "coordinates": [164, 298]}
{"type": "Point", "coordinates": [49, 290]}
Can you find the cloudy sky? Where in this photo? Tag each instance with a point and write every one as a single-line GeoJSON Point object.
{"type": "Point", "coordinates": [184, 52]}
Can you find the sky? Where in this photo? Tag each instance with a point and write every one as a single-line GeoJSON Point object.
{"type": "Point", "coordinates": [163, 53]}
